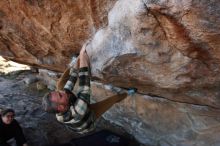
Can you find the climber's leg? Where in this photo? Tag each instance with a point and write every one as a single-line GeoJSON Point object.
{"type": "Point", "coordinates": [101, 107]}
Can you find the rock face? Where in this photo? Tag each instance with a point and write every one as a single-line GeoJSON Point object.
{"type": "Point", "coordinates": [160, 122]}
{"type": "Point", "coordinates": [47, 33]}
{"type": "Point", "coordinates": [167, 49]}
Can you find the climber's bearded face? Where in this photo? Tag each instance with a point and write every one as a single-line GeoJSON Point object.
{"type": "Point", "coordinates": [60, 101]}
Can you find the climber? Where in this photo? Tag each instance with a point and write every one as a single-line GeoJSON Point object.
{"type": "Point", "coordinates": [76, 112]}
{"type": "Point", "coordinates": [10, 128]}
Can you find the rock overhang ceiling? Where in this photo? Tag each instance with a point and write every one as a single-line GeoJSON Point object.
{"type": "Point", "coordinates": [168, 49]}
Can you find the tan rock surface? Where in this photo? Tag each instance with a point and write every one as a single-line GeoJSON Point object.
{"type": "Point", "coordinates": [47, 33]}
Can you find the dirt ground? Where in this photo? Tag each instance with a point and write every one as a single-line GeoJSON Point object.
{"type": "Point", "coordinates": [19, 89]}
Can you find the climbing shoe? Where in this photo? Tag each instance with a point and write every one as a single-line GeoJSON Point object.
{"type": "Point", "coordinates": [132, 91]}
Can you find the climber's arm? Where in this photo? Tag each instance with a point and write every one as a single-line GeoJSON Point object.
{"type": "Point", "coordinates": [80, 108]}
{"type": "Point", "coordinates": [68, 79]}
{"type": "Point", "coordinates": [72, 70]}
{"type": "Point", "coordinates": [81, 105]}
{"type": "Point", "coordinates": [63, 79]}
{"type": "Point", "coordinates": [73, 74]}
